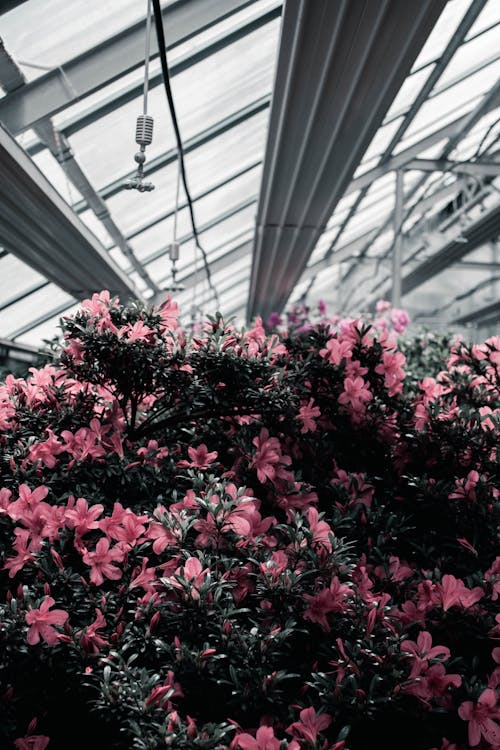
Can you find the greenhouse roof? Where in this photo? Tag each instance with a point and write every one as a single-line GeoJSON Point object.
{"type": "Point", "coordinates": [321, 144]}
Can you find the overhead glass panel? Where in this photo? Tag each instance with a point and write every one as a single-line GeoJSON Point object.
{"type": "Point", "coordinates": [31, 308]}
{"type": "Point", "coordinates": [32, 31]}
{"type": "Point", "coordinates": [442, 32]}
{"type": "Point", "coordinates": [17, 279]}
{"type": "Point", "coordinates": [489, 16]}
{"type": "Point", "coordinates": [472, 55]}
{"type": "Point", "coordinates": [48, 329]}
{"type": "Point", "coordinates": [408, 92]}
{"type": "Point", "coordinates": [233, 78]}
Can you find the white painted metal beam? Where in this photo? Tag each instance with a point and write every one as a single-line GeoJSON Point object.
{"type": "Point", "coordinates": [341, 63]}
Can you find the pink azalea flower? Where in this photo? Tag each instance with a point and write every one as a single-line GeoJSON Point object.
{"type": "Point", "coordinates": [422, 651]}
{"type": "Point", "coordinates": [169, 312]}
{"type": "Point", "coordinates": [466, 488]}
{"type": "Point", "coordinates": [46, 452]}
{"type": "Point", "coordinates": [101, 562]}
{"type": "Point", "coordinates": [144, 576]}
{"type": "Point", "coordinates": [336, 350]}
{"type": "Point", "coordinates": [482, 718]}
{"type": "Point", "coordinates": [391, 368]}
{"type": "Point", "coordinates": [137, 332]}
{"type": "Point", "coordinates": [81, 517]}
{"type": "Point", "coordinates": [90, 640]}
{"type": "Point", "coordinates": [355, 394]}
{"type": "Point", "coordinates": [27, 500]}
{"type": "Point", "coordinates": [41, 622]}
{"type": "Point", "coordinates": [33, 742]}
{"type": "Point", "coordinates": [267, 458]}
{"type": "Point", "coordinates": [193, 574]}
{"type": "Point", "coordinates": [200, 458]}
{"type": "Point", "coordinates": [320, 529]}
{"type": "Point", "coordinates": [331, 599]}
{"type": "Point", "coordinates": [24, 553]}
{"type": "Point", "coordinates": [263, 740]}
{"type": "Point", "coordinates": [309, 726]}
{"type": "Point", "coordinates": [308, 415]}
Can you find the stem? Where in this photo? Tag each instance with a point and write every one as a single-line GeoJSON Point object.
{"type": "Point", "coordinates": [179, 417]}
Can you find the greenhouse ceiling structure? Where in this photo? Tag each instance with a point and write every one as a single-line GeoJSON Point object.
{"type": "Point", "coordinates": [343, 150]}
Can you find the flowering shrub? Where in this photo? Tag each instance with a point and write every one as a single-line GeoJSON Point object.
{"type": "Point", "coordinates": [236, 539]}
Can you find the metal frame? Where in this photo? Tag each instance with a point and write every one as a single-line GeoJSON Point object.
{"type": "Point", "coordinates": [389, 162]}
{"type": "Point", "coordinates": [104, 63]}
{"type": "Point", "coordinates": [197, 141]}
{"type": "Point", "coordinates": [339, 69]}
{"type": "Point", "coordinates": [37, 226]}
{"type": "Point", "coordinates": [12, 79]}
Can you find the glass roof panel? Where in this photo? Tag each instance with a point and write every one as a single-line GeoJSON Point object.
{"type": "Point", "coordinates": [489, 16]}
{"type": "Point", "coordinates": [473, 54]}
{"type": "Point", "coordinates": [57, 177]}
{"type": "Point", "coordinates": [450, 104]}
{"type": "Point", "coordinates": [233, 78]}
{"type": "Point", "coordinates": [31, 308]}
{"type": "Point", "coordinates": [46, 330]}
{"type": "Point", "coordinates": [17, 279]}
{"type": "Point", "coordinates": [408, 92]}
{"type": "Point", "coordinates": [442, 32]}
{"type": "Point", "coordinates": [32, 31]}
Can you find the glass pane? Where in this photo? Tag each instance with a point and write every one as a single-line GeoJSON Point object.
{"type": "Point", "coordinates": [204, 95]}
{"type": "Point", "coordinates": [17, 278]}
{"type": "Point", "coordinates": [472, 54]}
{"type": "Point", "coordinates": [31, 308]}
{"type": "Point", "coordinates": [450, 104]}
{"type": "Point", "coordinates": [408, 92]}
{"type": "Point", "coordinates": [46, 330]}
{"type": "Point", "coordinates": [33, 32]}
{"type": "Point", "coordinates": [489, 16]}
{"type": "Point", "coordinates": [442, 32]}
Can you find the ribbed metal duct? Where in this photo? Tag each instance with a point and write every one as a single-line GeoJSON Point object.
{"type": "Point", "coordinates": [38, 227]}
{"type": "Point", "coordinates": [340, 65]}
{"type": "Point", "coordinates": [482, 316]}
{"type": "Point", "coordinates": [485, 228]}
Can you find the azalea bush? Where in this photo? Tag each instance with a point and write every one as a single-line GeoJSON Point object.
{"type": "Point", "coordinates": [248, 539]}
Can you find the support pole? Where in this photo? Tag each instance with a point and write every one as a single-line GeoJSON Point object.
{"type": "Point", "coordinates": [397, 251]}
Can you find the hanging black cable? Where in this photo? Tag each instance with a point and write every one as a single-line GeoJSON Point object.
{"type": "Point", "coordinates": [160, 35]}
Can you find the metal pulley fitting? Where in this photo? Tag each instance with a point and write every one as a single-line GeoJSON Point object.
{"type": "Point", "coordinates": [144, 137]}
{"type": "Point", "coordinates": [144, 130]}
{"type": "Point", "coordinates": [173, 251]}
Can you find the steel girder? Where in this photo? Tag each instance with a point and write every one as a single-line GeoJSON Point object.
{"type": "Point", "coordinates": [108, 61]}
{"type": "Point", "coordinates": [12, 79]}
{"type": "Point", "coordinates": [483, 229]}
{"type": "Point", "coordinates": [340, 66]}
{"type": "Point", "coordinates": [38, 227]}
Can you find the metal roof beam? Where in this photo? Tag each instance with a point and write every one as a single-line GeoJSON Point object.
{"type": "Point", "coordinates": [340, 66]}
{"type": "Point", "coordinates": [38, 226]}
{"type": "Point", "coordinates": [458, 130]}
{"type": "Point", "coordinates": [169, 157]}
{"type": "Point", "coordinates": [485, 228]}
{"type": "Point", "coordinates": [133, 91]}
{"type": "Point", "coordinates": [425, 92]}
{"type": "Point", "coordinates": [103, 64]}
{"type": "Point", "coordinates": [476, 169]}
{"type": "Point", "coordinates": [403, 158]}
{"type": "Point", "coordinates": [12, 79]}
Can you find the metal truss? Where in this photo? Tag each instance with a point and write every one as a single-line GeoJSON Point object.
{"type": "Point", "coordinates": [338, 71]}
{"type": "Point", "coordinates": [106, 62]}
{"type": "Point", "coordinates": [38, 226]}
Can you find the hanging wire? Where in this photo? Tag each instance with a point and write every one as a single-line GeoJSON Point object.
{"type": "Point", "coordinates": [147, 54]}
{"type": "Point", "coordinates": [177, 191]}
{"type": "Point", "coordinates": [166, 81]}
{"type": "Point", "coordinates": [144, 124]}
